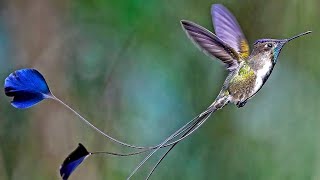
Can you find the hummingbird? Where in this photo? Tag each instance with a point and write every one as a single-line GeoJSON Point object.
{"type": "Point", "coordinates": [247, 72]}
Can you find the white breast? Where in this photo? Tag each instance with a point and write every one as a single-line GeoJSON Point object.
{"type": "Point", "coordinates": [261, 73]}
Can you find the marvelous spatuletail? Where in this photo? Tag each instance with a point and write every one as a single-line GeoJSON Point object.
{"type": "Point", "coordinates": [247, 72]}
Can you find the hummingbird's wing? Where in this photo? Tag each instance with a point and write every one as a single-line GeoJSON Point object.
{"type": "Point", "coordinates": [228, 30]}
{"type": "Point", "coordinates": [211, 44]}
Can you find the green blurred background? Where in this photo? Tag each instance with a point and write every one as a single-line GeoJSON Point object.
{"type": "Point", "coordinates": [128, 67]}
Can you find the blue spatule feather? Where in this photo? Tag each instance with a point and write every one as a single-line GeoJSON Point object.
{"type": "Point", "coordinates": [73, 161]}
{"type": "Point", "coordinates": [27, 87]}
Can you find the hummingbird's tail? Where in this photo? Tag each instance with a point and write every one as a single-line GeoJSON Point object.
{"type": "Point", "coordinates": [184, 132]}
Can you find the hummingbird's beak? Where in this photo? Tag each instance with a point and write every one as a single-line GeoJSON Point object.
{"type": "Point", "coordinates": [282, 42]}
{"type": "Point", "coordinates": [301, 34]}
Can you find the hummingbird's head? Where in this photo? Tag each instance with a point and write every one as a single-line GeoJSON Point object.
{"type": "Point", "coordinates": [272, 47]}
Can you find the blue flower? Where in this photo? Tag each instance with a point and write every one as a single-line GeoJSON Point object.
{"type": "Point", "coordinates": [27, 87]}
{"type": "Point", "coordinates": [73, 161]}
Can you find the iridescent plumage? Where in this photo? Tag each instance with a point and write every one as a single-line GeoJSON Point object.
{"type": "Point", "coordinates": [27, 87]}
{"type": "Point", "coordinates": [73, 160]}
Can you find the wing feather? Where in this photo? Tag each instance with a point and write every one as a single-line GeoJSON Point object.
{"type": "Point", "coordinates": [228, 30]}
{"type": "Point", "coordinates": [211, 44]}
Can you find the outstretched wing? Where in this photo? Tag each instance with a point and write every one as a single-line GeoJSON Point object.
{"type": "Point", "coordinates": [211, 44]}
{"type": "Point", "coordinates": [228, 30]}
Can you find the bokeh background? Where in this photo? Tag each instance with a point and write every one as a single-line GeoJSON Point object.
{"type": "Point", "coordinates": [128, 67]}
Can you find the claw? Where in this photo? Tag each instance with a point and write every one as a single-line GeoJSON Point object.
{"type": "Point", "coordinates": [241, 103]}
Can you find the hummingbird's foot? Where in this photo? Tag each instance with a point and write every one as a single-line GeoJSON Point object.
{"type": "Point", "coordinates": [241, 103]}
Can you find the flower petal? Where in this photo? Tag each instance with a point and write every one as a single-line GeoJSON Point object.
{"type": "Point", "coordinates": [27, 87]}
{"type": "Point", "coordinates": [73, 161]}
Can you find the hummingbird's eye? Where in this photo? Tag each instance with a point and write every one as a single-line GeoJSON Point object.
{"type": "Point", "coordinates": [269, 45]}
